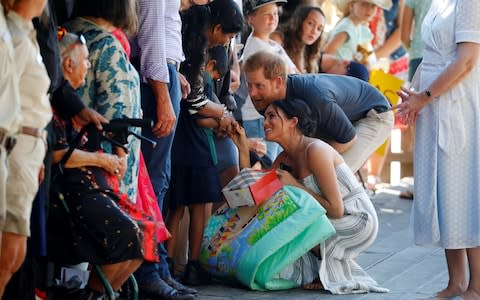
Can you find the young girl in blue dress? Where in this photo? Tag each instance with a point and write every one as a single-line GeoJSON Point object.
{"type": "Point", "coordinates": [195, 181]}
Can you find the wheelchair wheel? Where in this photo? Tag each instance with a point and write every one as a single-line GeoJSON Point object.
{"type": "Point", "coordinates": [129, 290]}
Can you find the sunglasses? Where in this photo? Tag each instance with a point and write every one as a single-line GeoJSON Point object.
{"type": "Point", "coordinates": [62, 33]}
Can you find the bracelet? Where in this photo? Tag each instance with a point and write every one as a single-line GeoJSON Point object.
{"type": "Point", "coordinates": [224, 114]}
{"type": "Point", "coordinates": [428, 93]}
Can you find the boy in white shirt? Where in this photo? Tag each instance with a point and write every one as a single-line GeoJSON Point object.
{"type": "Point", "coordinates": [262, 17]}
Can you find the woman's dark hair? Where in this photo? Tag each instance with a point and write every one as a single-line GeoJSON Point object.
{"type": "Point", "coordinates": [293, 39]}
{"type": "Point", "coordinates": [121, 13]}
{"type": "Point", "coordinates": [195, 22]}
{"type": "Point", "coordinates": [299, 109]}
{"type": "Point", "coordinates": [227, 14]}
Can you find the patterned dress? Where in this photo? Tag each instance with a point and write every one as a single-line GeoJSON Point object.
{"type": "Point", "coordinates": [95, 229]}
{"type": "Point", "coordinates": [356, 231]}
{"type": "Point", "coordinates": [446, 210]}
{"type": "Point", "coordinates": [112, 88]}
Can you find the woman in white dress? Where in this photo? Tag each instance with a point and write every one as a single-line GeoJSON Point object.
{"type": "Point", "coordinates": [317, 168]}
{"type": "Point", "coordinates": [446, 107]}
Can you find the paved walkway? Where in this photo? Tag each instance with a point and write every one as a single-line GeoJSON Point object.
{"type": "Point", "coordinates": [409, 271]}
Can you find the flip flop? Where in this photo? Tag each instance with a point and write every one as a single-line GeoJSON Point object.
{"type": "Point", "coordinates": [316, 285]}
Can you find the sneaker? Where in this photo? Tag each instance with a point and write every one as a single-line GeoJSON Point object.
{"type": "Point", "coordinates": [180, 287]}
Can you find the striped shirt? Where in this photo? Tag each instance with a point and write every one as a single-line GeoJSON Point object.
{"type": "Point", "coordinates": [159, 37]}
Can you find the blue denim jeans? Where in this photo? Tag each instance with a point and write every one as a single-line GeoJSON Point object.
{"type": "Point", "coordinates": [158, 161]}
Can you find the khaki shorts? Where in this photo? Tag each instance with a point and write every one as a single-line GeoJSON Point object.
{"type": "Point", "coordinates": [24, 162]}
{"type": "Point", "coordinates": [371, 132]}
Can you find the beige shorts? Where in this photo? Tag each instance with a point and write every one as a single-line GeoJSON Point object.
{"type": "Point", "coordinates": [371, 132]}
{"type": "Point", "coordinates": [24, 162]}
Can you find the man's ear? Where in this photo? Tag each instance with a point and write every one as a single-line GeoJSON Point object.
{"type": "Point", "coordinates": [67, 65]}
{"type": "Point", "coordinates": [278, 82]}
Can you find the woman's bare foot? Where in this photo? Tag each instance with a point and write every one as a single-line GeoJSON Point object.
{"type": "Point", "coordinates": [450, 292]}
{"type": "Point", "coordinates": [315, 285]}
{"type": "Point", "coordinates": [470, 295]}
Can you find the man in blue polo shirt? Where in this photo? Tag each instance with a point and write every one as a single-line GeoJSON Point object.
{"type": "Point", "coordinates": [352, 115]}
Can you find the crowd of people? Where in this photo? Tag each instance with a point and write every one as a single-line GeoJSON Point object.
{"type": "Point", "coordinates": [116, 114]}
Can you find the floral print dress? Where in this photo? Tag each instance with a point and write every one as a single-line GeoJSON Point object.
{"type": "Point", "coordinates": [112, 88]}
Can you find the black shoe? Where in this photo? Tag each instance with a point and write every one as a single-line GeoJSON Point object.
{"type": "Point", "coordinates": [194, 274]}
{"type": "Point", "coordinates": [180, 287]}
{"type": "Point", "coordinates": [159, 289]}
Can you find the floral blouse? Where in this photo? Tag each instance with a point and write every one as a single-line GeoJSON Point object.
{"type": "Point", "coordinates": [112, 88]}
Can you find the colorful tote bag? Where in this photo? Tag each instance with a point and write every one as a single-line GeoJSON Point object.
{"type": "Point", "coordinates": [253, 244]}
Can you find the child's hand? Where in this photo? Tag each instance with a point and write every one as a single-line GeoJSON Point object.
{"type": "Point", "coordinates": [257, 145]}
{"type": "Point", "coordinates": [227, 123]}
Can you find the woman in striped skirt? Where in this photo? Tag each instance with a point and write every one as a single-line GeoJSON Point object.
{"type": "Point", "coordinates": [316, 167]}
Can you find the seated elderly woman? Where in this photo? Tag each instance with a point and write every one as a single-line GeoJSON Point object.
{"type": "Point", "coordinates": [317, 168]}
{"type": "Point", "coordinates": [95, 230]}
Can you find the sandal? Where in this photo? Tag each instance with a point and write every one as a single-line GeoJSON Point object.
{"type": "Point", "coordinates": [316, 285]}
